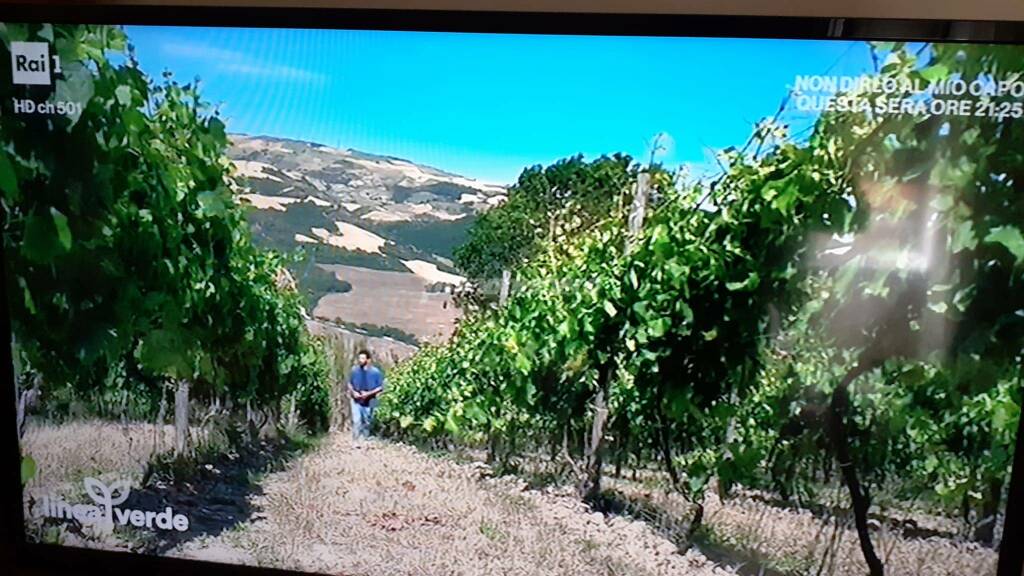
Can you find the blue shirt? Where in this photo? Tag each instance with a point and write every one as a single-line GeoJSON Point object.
{"type": "Point", "coordinates": [366, 379]}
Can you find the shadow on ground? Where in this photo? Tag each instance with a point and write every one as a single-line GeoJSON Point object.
{"type": "Point", "coordinates": [675, 529]}
{"type": "Point", "coordinates": [215, 493]}
{"type": "Point", "coordinates": [907, 527]}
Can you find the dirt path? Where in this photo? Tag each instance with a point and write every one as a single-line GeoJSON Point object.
{"type": "Point", "coordinates": [387, 509]}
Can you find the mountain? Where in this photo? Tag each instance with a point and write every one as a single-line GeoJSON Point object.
{"type": "Point", "coordinates": [375, 188]}
{"type": "Point", "coordinates": [372, 229]}
{"type": "Point", "coordinates": [372, 209]}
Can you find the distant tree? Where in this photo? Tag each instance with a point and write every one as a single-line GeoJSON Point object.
{"type": "Point", "coordinates": [571, 194]}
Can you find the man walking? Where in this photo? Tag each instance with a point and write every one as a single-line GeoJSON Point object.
{"type": "Point", "coordinates": [364, 386]}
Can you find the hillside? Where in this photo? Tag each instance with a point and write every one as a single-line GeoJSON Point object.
{"type": "Point", "coordinates": [371, 229]}
{"type": "Point", "coordinates": [370, 187]}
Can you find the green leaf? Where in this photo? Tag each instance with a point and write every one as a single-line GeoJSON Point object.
{"type": "Point", "coordinates": [429, 424]}
{"type": "Point", "coordinates": [211, 204]}
{"type": "Point", "coordinates": [684, 308]}
{"type": "Point", "coordinates": [40, 242]}
{"type": "Point", "coordinates": [30, 304]}
{"type": "Point", "coordinates": [134, 120]}
{"type": "Point", "coordinates": [123, 93]}
{"type": "Point", "coordinates": [28, 469]}
{"type": "Point", "coordinates": [751, 283]}
{"type": "Point", "coordinates": [76, 86]}
{"type": "Point", "coordinates": [217, 129]}
{"type": "Point", "coordinates": [935, 73]}
{"type": "Point", "coordinates": [168, 352]}
{"type": "Point", "coordinates": [942, 202]}
{"type": "Point", "coordinates": [1010, 237]}
{"type": "Point", "coordinates": [475, 413]}
{"type": "Point", "coordinates": [963, 237]}
{"type": "Point", "coordinates": [46, 32]}
{"type": "Point", "coordinates": [659, 327]}
{"type": "Point", "coordinates": [60, 221]}
{"type": "Point", "coordinates": [15, 33]}
{"type": "Point", "coordinates": [610, 308]}
{"type": "Point", "coordinates": [697, 483]}
{"type": "Point", "coordinates": [8, 179]}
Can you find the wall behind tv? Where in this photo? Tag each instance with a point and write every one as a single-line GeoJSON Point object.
{"type": "Point", "coordinates": [930, 9]}
{"type": "Point", "coordinates": [996, 10]}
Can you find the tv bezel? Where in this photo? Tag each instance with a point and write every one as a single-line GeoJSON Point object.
{"type": "Point", "coordinates": [38, 558]}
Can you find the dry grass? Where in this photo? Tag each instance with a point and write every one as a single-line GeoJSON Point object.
{"type": "Point", "coordinates": [387, 509]}
{"type": "Point", "coordinates": [66, 453]}
{"type": "Point", "coordinates": [796, 541]}
{"type": "Point", "coordinates": [786, 535]}
{"type": "Point", "coordinates": [387, 298]}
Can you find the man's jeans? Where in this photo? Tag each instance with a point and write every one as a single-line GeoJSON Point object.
{"type": "Point", "coordinates": [362, 420]}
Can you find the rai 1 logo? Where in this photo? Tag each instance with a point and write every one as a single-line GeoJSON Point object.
{"type": "Point", "coordinates": [106, 512]}
{"type": "Point", "coordinates": [32, 64]}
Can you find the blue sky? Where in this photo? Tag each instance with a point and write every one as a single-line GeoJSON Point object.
{"type": "Point", "coordinates": [485, 106]}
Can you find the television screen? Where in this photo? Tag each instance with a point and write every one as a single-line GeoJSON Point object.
{"type": "Point", "coordinates": [371, 302]}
